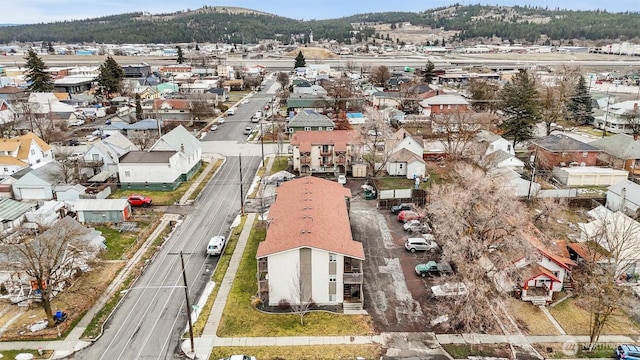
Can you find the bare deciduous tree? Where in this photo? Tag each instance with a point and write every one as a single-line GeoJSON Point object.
{"type": "Point", "coordinates": [143, 141]}
{"type": "Point", "coordinates": [51, 258]}
{"type": "Point", "coordinates": [612, 243]}
{"type": "Point", "coordinates": [458, 131]}
{"type": "Point", "coordinates": [374, 152]}
{"type": "Point", "coordinates": [379, 75]}
{"type": "Point", "coordinates": [477, 223]}
{"type": "Point", "coordinates": [301, 296]}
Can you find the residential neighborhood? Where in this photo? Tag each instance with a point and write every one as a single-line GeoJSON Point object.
{"type": "Point", "coordinates": [326, 188]}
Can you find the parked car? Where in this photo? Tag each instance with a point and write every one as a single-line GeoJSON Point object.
{"type": "Point", "coordinates": [407, 215]}
{"type": "Point", "coordinates": [231, 112]}
{"type": "Point", "coordinates": [77, 122]}
{"type": "Point", "coordinates": [247, 130]}
{"type": "Point", "coordinates": [414, 244]}
{"type": "Point", "coordinates": [416, 226]}
{"type": "Point", "coordinates": [245, 101]}
{"type": "Point", "coordinates": [342, 179]}
{"type": "Point", "coordinates": [372, 132]}
{"type": "Point", "coordinates": [432, 268]}
{"type": "Point", "coordinates": [140, 200]}
{"type": "Point", "coordinates": [220, 121]}
{"type": "Point", "coordinates": [240, 357]}
{"type": "Point", "coordinates": [73, 142]}
{"type": "Point", "coordinates": [216, 245]}
{"type": "Point", "coordinates": [401, 207]}
{"type": "Point", "coordinates": [450, 289]}
{"type": "Point", "coordinates": [214, 127]}
{"type": "Point", "coordinates": [627, 351]}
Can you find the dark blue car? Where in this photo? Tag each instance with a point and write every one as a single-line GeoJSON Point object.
{"type": "Point", "coordinates": [628, 352]}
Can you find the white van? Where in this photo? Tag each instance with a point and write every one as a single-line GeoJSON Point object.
{"type": "Point", "coordinates": [216, 245]}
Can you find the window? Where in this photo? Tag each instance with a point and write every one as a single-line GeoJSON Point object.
{"type": "Point", "coordinates": [332, 257]}
{"type": "Point", "coordinates": [307, 128]}
{"type": "Point", "coordinates": [332, 278]}
{"type": "Point", "coordinates": [127, 174]}
{"type": "Point", "coordinates": [329, 128]}
{"type": "Point", "coordinates": [332, 298]}
{"type": "Point", "coordinates": [400, 166]}
{"type": "Point", "coordinates": [7, 170]}
{"type": "Point", "coordinates": [33, 151]}
{"type": "Point", "coordinates": [325, 148]}
{"type": "Point", "coordinates": [585, 154]}
{"type": "Point", "coordinates": [509, 147]}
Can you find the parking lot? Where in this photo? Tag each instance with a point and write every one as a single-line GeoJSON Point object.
{"type": "Point", "coordinates": [396, 298]}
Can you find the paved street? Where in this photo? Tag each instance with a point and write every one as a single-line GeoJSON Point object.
{"type": "Point", "coordinates": [151, 318]}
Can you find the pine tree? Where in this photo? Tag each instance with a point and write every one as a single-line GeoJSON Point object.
{"type": "Point", "coordinates": [197, 47]}
{"type": "Point", "coordinates": [36, 74]}
{"type": "Point", "coordinates": [300, 61]}
{"type": "Point", "coordinates": [429, 72]}
{"type": "Point", "coordinates": [180, 55]}
{"type": "Point", "coordinates": [138, 108]}
{"type": "Point", "coordinates": [579, 104]}
{"type": "Point", "coordinates": [110, 77]}
{"type": "Point", "coordinates": [519, 105]}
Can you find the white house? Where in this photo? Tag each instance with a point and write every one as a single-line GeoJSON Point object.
{"type": "Point", "coordinates": [494, 142]}
{"type": "Point", "coordinates": [28, 149]}
{"type": "Point", "coordinates": [101, 160]}
{"type": "Point", "coordinates": [405, 163]}
{"type": "Point", "coordinates": [401, 139]}
{"type": "Point", "coordinates": [7, 114]}
{"type": "Point", "coordinates": [501, 158]}
{"type": "Point", "coordinates": [309, 254]}
{"type": "Point", "coordinates": [624, 196]}
{"type": "Point", "coordinates": [160, 170]}
{"type": "Point", "coordinates": [619, 235]}
{"type": "Point", "coordinates": [186, 145]}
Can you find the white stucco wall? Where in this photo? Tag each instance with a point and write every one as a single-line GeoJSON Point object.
{"type": "Point", "coordinates": [283, 269]}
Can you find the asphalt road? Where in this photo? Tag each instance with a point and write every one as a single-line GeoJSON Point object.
{"type": "Point", "coordinates": [234, 125]}
{"type": "Point", "coordinates": [151, 318]}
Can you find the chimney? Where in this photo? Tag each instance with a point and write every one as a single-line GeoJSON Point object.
{"type": "Point", "coordinates": [182, 147]}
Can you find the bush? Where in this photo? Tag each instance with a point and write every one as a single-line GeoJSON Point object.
{"type": "Point", "coordinates": [284, 304]}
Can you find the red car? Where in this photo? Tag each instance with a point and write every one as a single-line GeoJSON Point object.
{"type": "Point", "coordinates": [140, 200]}
{"type": "Point", "coordinates": [407, 215]}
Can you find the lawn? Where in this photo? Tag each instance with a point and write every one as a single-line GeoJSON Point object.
{"type": "Point", "coordinates": [117, 242]}
{"type": "Point", "coordinates": [560, 351]}
{"type": "Point", "coordinates": [241, 319]}
{"type": "Point", "coordinates": [218, 275]}
{"type": "Point", "coordinates": [206, 178]}
{"type": "Point", "coordinates": [280, 163]}
{"type": "Point", "coordinates": [312, 352]}
{"type": "Point", "coordinates": [11, 354]}
{"type": "Point", "coordinates": [397, 182]}
{"type": "Point", "coordinates": [161, 197]}
{"type": "Point", "coordinates": [575, 320]}
{"type": "Point", "coordinates": [529, 318]}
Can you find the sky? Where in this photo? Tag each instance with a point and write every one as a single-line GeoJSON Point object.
{"type": "Point", "coordinates": [38, 11]}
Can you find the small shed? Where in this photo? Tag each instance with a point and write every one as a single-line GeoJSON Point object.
{"type": "Point", "coordinates": [359, 170]}
{"type": "Point", "coordinates": [99, 211]}
{"type": "Point", "coordinates": [588, 176]}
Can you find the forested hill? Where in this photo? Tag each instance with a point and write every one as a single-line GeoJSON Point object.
{"type": "Point", "coordinates": [237, 25]}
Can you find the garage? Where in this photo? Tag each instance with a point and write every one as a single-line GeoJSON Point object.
{"type": "Point", "coordinates": [33, 194]}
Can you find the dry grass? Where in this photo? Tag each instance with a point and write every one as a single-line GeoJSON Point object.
{"type": "Point", "coordinates": [314, 352]}
{"type": "Point", "coordinates": [575, 320]}
{"type": "Point", "coordinates": [75, 301]}
{"type": "Point", "coordinates": [529, 318]}
{"type": "Point", "coordinates": [314, 53]}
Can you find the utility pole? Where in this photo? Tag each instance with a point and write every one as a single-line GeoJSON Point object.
{"type": "Point", "coordinates": [262, 143]}
{"type": "Point", "coordinates": [241, 195]}
{"type": "Point", "coordinates": [606, 116]}
{"type": "Point", "coordinates": [186, 294]}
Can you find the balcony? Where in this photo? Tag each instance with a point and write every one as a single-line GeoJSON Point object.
{"type": "Point", "coordinates": [326, 153]}
{"type": "Point", "coordinates": [90, 163]}
{"type": "Point", "coordinates": [305, 160]}
{"type": "Point", "coordinates": [352, 278]}
{"type": "Point", "coordinates": [341, 161]}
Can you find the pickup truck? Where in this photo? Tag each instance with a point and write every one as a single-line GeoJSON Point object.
{"type": "Point", "coordinates": [432, 268]}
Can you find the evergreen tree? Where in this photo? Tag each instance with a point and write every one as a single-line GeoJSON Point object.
{"type": "Point", "coordinates": [36, 74]}
{"type": "Point", "coordinates": [50, 48]}
{"type": "Point", "coordinates": [180, 55]}
{"type": "Point", "coordinates": [519, 105]}
{"type": "Point", "coordinates": [300, 61]}
{"type": "Point", "coordinates": [110, 77]}
{"type": "Point", "coordinates": [429, 72]}
{"type": "Point", "coordinates": [138, 108]}
{"type": "Point", "coordinates": [579, 104]}
{"type": "Point", "coordinates": [443, 43]}
{"type": "Point", "coordinates": [197, 47]}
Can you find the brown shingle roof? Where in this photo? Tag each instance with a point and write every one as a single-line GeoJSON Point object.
{"type": "Point", "coordinates": [176, 104]}
{"type": "Point", "coordinates": [310, 212]}
{"type": "Point", "coordinates": [23, 144]}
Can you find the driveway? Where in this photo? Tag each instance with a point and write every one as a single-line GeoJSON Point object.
{"type": "Point", "coordinates": [395, 297]}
